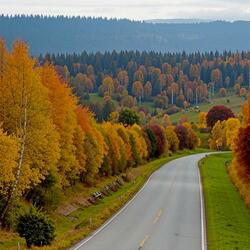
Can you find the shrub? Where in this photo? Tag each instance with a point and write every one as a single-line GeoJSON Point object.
{"type": "Point", "coordinates": [36, 228]}
{"type": "Point", "coordinates": [218, 113]}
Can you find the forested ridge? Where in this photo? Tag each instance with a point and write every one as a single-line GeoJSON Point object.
{"type": "Point", "coordinates": [75, 34]}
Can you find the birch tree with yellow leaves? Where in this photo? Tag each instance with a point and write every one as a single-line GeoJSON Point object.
{"type": "Point", "coordinates": [26, 113]}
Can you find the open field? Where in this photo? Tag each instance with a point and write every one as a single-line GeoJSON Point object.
{"type": "Point", "coordinates": [227, 216]}
{"type": "Point", "coordinates": [235, 104]}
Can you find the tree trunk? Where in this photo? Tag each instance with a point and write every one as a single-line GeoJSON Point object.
{"type": "Point", "coordinates": [19, 167]}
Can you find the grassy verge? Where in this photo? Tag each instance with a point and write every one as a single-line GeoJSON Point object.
{"type": "Point", "coordinates": [80, 223]}
{"type": "Point", "coordinates": [228, 219]}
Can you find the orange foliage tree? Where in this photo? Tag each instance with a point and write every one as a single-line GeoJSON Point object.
{"type": "Point", "coordinates": [94, 144]}
{"type": "Point", "coordinates": [64, 107]}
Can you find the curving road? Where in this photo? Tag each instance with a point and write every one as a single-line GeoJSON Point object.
{"type": "Point", "coordinates": [164, 215]}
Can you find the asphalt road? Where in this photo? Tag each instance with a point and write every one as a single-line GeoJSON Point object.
{"type": "Point", "coordinates": [165, 215]}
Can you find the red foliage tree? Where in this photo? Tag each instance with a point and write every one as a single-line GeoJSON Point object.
{"type": "Point", "coordinates": [148, 142]}
{"type": "Point", "coordinates": [218, 113]}
{"type": "Point", "coordinates": [182, 134]}
{"type": "Point", "coordinates": [243, 153]}
{"type": "Point", "coordinates": [160, 139]}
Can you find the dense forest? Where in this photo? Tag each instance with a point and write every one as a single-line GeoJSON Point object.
{"type": "Point", "coordinates": [168, 80]}
{"type": "Point", "coordinates": [75, 34]}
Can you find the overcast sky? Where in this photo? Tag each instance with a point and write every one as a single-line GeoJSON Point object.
{"type": "Point", "coordinates": [133, 9]}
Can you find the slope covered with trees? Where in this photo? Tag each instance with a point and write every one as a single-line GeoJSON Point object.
{"type": "Point", "coordinates": [169, 81]}
{"type": "Point", "coordinates": [65, 34]}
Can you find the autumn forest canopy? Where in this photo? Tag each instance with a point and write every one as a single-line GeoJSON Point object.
{"type": "Point", "coordinates": [169, 81]}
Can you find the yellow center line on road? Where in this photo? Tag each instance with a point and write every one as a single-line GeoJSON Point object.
{"type": "Point", "coordinates": [142, 243]}
{"type": "Point", "coordinates": [157, 217]}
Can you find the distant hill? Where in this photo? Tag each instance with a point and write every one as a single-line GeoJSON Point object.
{"type": "Point", "coordinates": [63, 34]}
{"type": "Point", "coordinates": [179, 20]}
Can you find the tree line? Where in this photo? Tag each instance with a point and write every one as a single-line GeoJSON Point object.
{"type": "Point", "coordinates": [48, 140]}
{"type": "Point", "coordinates": [240, 169]}
{"type": "Point", "coordinates": [229, 132]}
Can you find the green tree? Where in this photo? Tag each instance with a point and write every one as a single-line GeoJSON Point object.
{"type": "Point", "coordinates": [36, 228]}
{"type": "Point", "coordinates": [128, 117]}
{"type": "Point", "coordinates": [153, 141]}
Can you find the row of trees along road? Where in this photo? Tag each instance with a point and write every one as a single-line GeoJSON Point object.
{"type": "Point", "coordinates": [50, 142]}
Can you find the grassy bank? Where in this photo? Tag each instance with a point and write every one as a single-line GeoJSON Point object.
{"type": "Point", "coordinates": [81, 222]}
{"type": "Point", "coordinates": [228, 219]}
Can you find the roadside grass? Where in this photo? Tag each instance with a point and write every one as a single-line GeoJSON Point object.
{"type": "Point", "coordinates": [80, 223]}
{"type": "Point", "coordinates": [235, 104]}
{"type": "Point", "coordinates": [228, 218]}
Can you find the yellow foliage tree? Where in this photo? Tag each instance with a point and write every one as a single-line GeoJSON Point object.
{"type": "Point", "coordinates": [232, 126]}
{"type": "Point", "coordinates": [94, 144]}
{"type": "Point", "coordinates": [64, 107]}
{"type": "Point", "coordinates": [124, 134]}
{"type": "Point", "coordinates": [202, 120]}
{"type": "Point", "coordinates": [25, 112]}
{"type": "Point", "coordinates": [115, 159]}
{"type": "Point", "coordinates": [139, 150]}
{"type": "Point", "coordinates": [113, 117]}
{"type": "Point", "coordinates": [172, 139]}
{"type": "Point", "coordinates": [78, 141]}
{"type": "Point", "coordinates": [218, 136]}
{"type": "Point", "coordinates": [8, 161]}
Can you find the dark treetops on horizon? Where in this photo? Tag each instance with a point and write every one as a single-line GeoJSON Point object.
{"type": "Point", "coordinates": [60, 34]}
